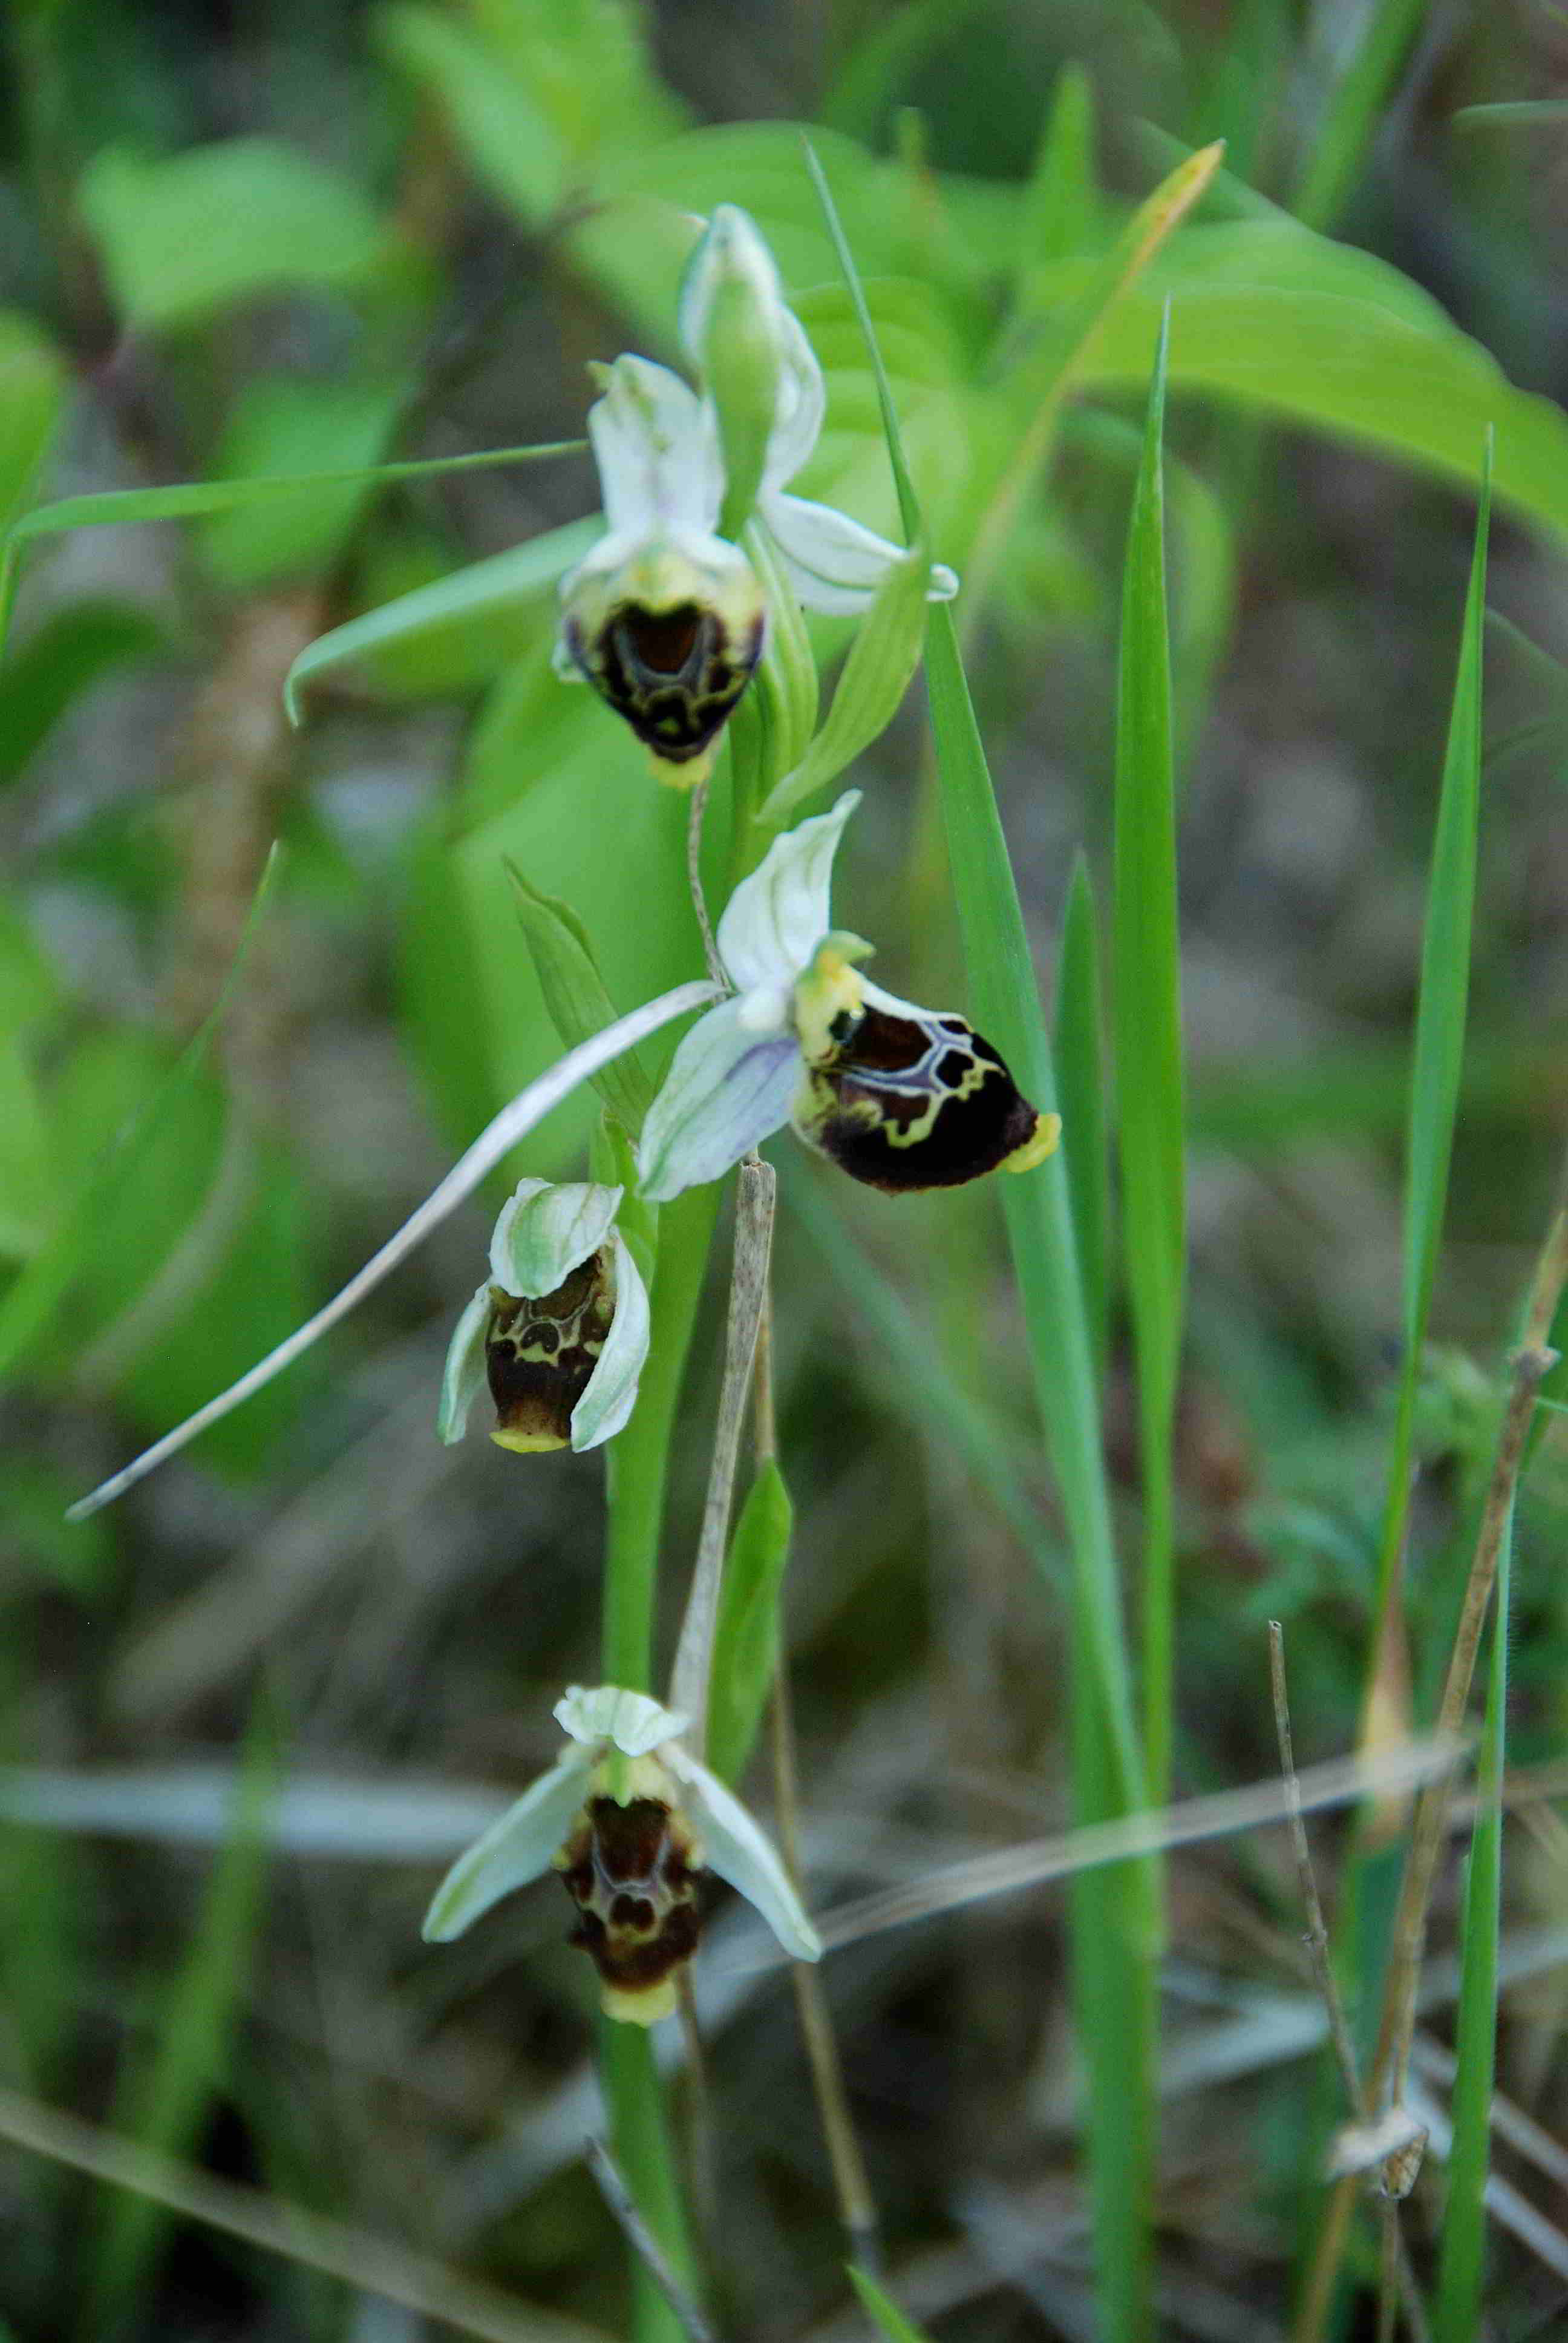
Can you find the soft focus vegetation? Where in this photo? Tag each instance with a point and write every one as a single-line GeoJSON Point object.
{"type": "Point", "coordinates": [1276, 907]}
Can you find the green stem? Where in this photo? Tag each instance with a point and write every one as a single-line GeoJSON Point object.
{"type": "Point", "coordinates": [639, 2141]}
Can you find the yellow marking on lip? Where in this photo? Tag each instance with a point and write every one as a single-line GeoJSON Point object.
{"type": "Point", "coordinates": [527, 1443]}
{"type": "Point", "coordinates": [638, 2005]}
{"type": "Point", "coordinates": [1043, 1141]}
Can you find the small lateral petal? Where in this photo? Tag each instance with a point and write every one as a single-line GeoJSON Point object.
{"type": "Point", "coordinates": [465, 1371]}
{"type": "Point", "coordinates": [517, 1849]}
{"type": "Point", "coordinates": [728, 1089]}
{"type": "Point", "coordinates": [834, 564]}
{"type": "Point", "coordinates": [633, 1721]}
{"type": "Point", "coordinates": [736, 1850]}
{"type": "Point", "coordinates": [611, 1393]}
{"type": "Point", "coordinates": [546, 1229]}
{"type": "Point", "coordinates": [776, 919]}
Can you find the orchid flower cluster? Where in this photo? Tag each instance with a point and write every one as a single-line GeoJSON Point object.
{"type": "Point", "coordinates": [667, 619]}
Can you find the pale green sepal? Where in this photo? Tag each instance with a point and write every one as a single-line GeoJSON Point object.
{"type": "Point", "coordinates": [735, 1849]}
{"type": "Point", "coordinates": [517, 1849]}
{"type": "Point", "coordinates": [746, 1639]}
{"type": "Point", "coordinates": [882, 658]}
{"type": "Point", "coordinates": [731, 304]}
{"type": "Point", "coordinates": [632, 1722]}
{"type": "Point", "coordinates": [464, 1370]}
{"type": "Point", "coordinates": [729, 1087]}
{"type": "Point", "coordinates": [611, 1392]}
{"type": "Point", "coordinates": [776, 919]}
{"type": "Point", "coordinates": [574, 990]}
{"type": "Point", "coordinates": [835, 564]}
{"type": "Point", "coordinates": [545, 1231]}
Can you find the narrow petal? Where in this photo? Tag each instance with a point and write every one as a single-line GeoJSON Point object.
{"type": "Point", "coordinates": [728, 1089]}
{"type": "Point", "coordinates": [633, 1722]}
{"type": "Point", "coordinates": [514, 1850]}
{"type": "Point", "coordinates": [736, 1850]}
{"type": "Point", "coordinates": [656, 444]}
{"type": "Point", "coordinates": [834, 564]}
{"type": "Point", "coordinates": [776, 919]}
{"type": "Point", "coordinates": [465, 1371]}
{"type": "Point", "coordinates": [802, 404]}
{"type": "Point", "coordinates": [611, 1393]}
{"type": "Point", "coordinates": [545, 1230]}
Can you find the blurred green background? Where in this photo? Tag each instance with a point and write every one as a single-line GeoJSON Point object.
{"type": "Point", "coordinates": [247, 1716]}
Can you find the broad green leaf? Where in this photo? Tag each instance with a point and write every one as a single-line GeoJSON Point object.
{"type": "Point", "coordinates": [746, 1640]}
{"type": "Point", "coordinates": [185, 236]}
{"type": "Point", "coordinates": [1148, 1082]}
{"type": "Point", "coordinates": [883, 2311]}
{"type": "Point", "coordinates": [32, 387]}
{"type": "Point", "coordinates": [61, 659]}
{"type": "Point", "coordinates": [1461, 2257]}
{"type": "Point", "coordinates": [1278, 320]}
{"type": "Point", "coordinates": [503, 132]}
{"type": "Point", "coordinates": [280, 424]}
{"type": "Point", "coordinates": [575, 994]}
{"type": "Point", "coordinates": [1078, 1051]}
{"type": "Point", "coordinates": [507, 585]}
{"type": "Point", "coordinates": [883, 657]}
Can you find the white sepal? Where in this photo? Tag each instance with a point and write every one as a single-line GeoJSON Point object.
{"type": "Point", "coordinates": [515, 1849]}
{"type": "Point", "coordinates": [835, 564]}
{"type": "Point", "coordinates": [631, 1720]}
{"type": "Point", "coordinates": [546, 1230]}
{"type": "Point", "coordinates": [656, 444]}
{"type": "Point", "coordinates": [776, 919]}
{"type": "Point", "coordinates": [464, 1375]}
{"type": "Point", "coordinates": [610, 1392]}
{"type": "Point", "coordinates": [736, 1850]}
{"type": "Point", "coordinates": [728, 1089]}
{"type": "Point", "coordinates": [803, 404]}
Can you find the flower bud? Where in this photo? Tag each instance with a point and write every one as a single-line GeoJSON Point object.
{"type": "Point", "coordinates": [731, 313]}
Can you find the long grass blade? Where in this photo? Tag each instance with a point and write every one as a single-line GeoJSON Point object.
{"type": "Point", "coordinates": [1080, 1052]}
{"type": "Point", "coordinates": [1148, 1082]}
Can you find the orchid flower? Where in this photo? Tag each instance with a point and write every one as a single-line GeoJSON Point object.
{"type": "Point", "coordinates": [559, 1329]}
{"type": "Point", "coordinates": [898, 1096]}
{"type": "Point", "coordinates": [665, 617]}
{"type": "Point", "coordinates": [631, 1821]}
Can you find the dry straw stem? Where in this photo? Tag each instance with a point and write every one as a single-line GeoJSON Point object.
{"type": "Point", "coordinates": [372, 2264]}
{"type": "Point", "coordinates": [749, 1286]}
{"type": "Point", "coordinates": [644, 2243]}
{"type": "Point", "coordinates": [694, 880]}
{"type": "Point", "coordinates": [1531, 1362]}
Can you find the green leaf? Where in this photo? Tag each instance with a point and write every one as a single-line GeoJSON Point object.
{"type": "Point", "coordinates": [1461, 2257]}
{"type": "Point", "coordinates": [1439, 1054]}
{"type": "Point", "coordinates": [190, 499]}
{"type": "Point", "coordinates": [32, 387]}
{"type": "Point", "coordinates": [504, 134]}
{"type": "Point", "coordinates": [26, 1186]}
{"type": "Point", "coordinates": [1062, 213]}
{"type": "Point", "coordinates": [281, 426]}
{"type": "Point", "coordinates": [185, 236]}
{"type": "Point", "coordinates": [507, 584]}
{"type": "Point", "coordinates": [1149, 1084]}
{"type": "Point", "coordinates": [59, 661]}
{"type": "Point", "coordinates": [883, 657]}
{"type": "Point", "coordinates": [1337, 150]}
{"type": "Point", "coordinates": [882, 2310]}
{"type": "Point", "coordinates": [746, 1638]}
{"type": "Point", "coordinates": [575, 993]}
{"type": "Point", "coordinates": [1080, 1095]}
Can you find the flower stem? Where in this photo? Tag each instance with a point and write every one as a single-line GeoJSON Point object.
{"type": "Point", "coordinates": [639, 2137]}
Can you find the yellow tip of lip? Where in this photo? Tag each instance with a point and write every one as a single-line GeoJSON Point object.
{"type": "Point", "coordinates": [1047, 1133]}
{"type": "Point", "coordinates": [527, 1443]}
{"type": "Point", "coordinates": [681, 777]}
{"type": "Point", "coordinates": [644, 2008]}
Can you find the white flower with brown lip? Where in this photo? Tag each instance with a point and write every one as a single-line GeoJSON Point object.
{"type": "Point", "coordinates": [666, 616]}
{"type": "Point", "coordinates": [559, 1329]}
{"type": "Point", "coordinates": [631, 1821]}
{"type": "Point", "coordinates": [898, 1096]}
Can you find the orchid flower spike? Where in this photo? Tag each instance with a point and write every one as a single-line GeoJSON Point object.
{"type": "Point", "coordinates": [631, 1822]}
{"type": "Point", "coordinates": [559, 1329]}
{"type": "Point", "coordinates": [898, 1096]}
{"type": "Point", "coordinates": [665, 617]}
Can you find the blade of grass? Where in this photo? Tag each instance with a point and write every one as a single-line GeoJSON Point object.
{"type": "Point", "coordinates": [1462, 2261]}
{"type": "Point", "coordinates": [883, 2311]}
{"type": "Point", "coordinates": [1115, 1920]}
{"type": "Point", "coordinates": [1148, 1082]}
{"type": "Point", "coordinates": [1345, 131]}
{"type": "Point", "coordinates": [189, 499]}
{"type": "Point", "coordinates": [1080, 1095]}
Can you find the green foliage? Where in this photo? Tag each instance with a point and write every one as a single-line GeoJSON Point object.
{"type": "Point", "coordinates": [882, 663]}
{"type": "Point", "coordinates": [1078, 1051]}
{"type": "Point", "coordinates": [278, 425]}
{"type": "Point", "coordinates": [32, 387]}
{"type": "Point", "coordinates": [746, 1640]}
{"type": "Point", "coordinates": [574, 995]}
{"type": "Point", "coordinates": [183, 238]}
{"type": "Point", "coordinates": [883, 2312]}
{"type": "Point", "coordinates": [61, 660]}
